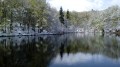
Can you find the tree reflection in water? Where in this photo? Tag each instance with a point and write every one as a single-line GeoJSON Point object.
{"type": "Point", "coordinates": [39, 51]}
{"type": "Point", "coordinates": [62, 49]}
{"type": "Point", "coordinates": [26, 52]}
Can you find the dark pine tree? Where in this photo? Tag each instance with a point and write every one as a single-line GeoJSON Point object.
{"type": "Point", "coordinates": [61, 17]}
{"type": "Point", "coordinates": [68, 15]}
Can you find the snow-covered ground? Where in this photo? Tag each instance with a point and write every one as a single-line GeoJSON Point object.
{"type": "Point", "coordinates": [56, 28]}
{"type": "Point", "coordinates": [107, 20]}
{"type": "Point", "coordinates": [20, 30]}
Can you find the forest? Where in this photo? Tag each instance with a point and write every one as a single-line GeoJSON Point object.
{"type": "Point", "coordinates": [34, 17]}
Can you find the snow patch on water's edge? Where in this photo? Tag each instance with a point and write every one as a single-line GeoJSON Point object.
{"type": "Point", "coordinates": [62, 33]}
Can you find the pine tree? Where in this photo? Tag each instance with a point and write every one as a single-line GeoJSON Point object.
{"type": "Point", "coordinates": [61, 18]}
{"type": "Point", "coordinates": [68, 15]}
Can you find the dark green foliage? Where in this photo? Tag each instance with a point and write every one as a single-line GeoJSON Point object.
{"type": "Point", "coordinates": [61, 17]}
{"type": "Point", "coordinates": [68, 15]}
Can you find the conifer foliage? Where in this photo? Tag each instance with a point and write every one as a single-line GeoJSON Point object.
{"type": "Point", "coordinates": [61, 17]}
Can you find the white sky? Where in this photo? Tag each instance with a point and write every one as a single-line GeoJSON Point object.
{"type": "Point", "coordinates": [83, 5]}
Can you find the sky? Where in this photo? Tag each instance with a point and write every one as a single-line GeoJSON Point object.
{"type": "Point", "coordinates": [83, 5]}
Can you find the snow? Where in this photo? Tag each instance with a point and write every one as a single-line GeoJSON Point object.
{"type": "Point", "coordinates": [107, 19]}
{"type": "Point", "coordinates": [56, 28]}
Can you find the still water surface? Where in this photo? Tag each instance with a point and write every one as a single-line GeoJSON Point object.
{"type": "Point", "coordinates": [70, 50]}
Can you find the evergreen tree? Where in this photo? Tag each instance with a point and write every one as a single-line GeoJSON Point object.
{"type": "Point", "coordinates": [61, 17]}
{"type": "Point", "coordinates": [68, 15]}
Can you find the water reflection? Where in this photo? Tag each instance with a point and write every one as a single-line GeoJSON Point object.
{"type": "Point", "coordinates": [70, 50]}
{"type": "Point", "coordinates": [26, 52]}
{"type": "Point", "coordinates": [84, 60]}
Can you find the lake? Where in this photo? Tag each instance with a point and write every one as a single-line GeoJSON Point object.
{"type": "Point", "coordinates": [69, 50]}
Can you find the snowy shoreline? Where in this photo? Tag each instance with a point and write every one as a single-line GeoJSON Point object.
{"type": "Point", "coordinates": [12, 35]}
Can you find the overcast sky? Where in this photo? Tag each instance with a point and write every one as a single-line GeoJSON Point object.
{"type": "Point", "coordinates": [83, 5]}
